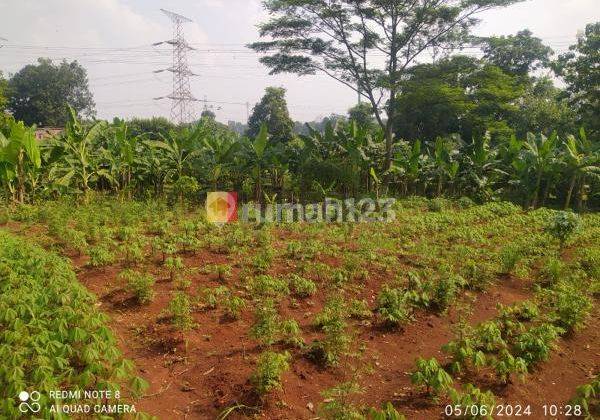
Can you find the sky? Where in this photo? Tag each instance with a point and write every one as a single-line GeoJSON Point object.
{"type": "Point", "coordinates": [113, 40]}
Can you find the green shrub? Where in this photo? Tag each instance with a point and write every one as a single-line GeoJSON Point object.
{"type": "Point", "coordinates": [180, 310]}
{"type": "Point", "coordinates": [234, 306]}
{"type": "Point", "coordinates": [338, 404]}
{"type": "Point", "coordinates": [534, 346]}
{"type": "Point", "coordinates": [588, 397]}
{"type": "Point", "coordinates": [175, 266]}
{"type": "Point", "coordinates": [267, 322]}
{"type": "Point", "coordinates": [333, 345]}
{"type": "Point", "coordinates": [212, 297]}
{"type": "Point", "coordinates": [269, 368]}
{"type": "Point", "coordinates": [264, 285]}
{"type": "Point", "coordinates": [101, 256]}
{"type": "Point", "coordinates": [563, 226]}
{"type": "Point", "coordinates": [387, 412]}
{"type": "Point", "coordinates": [510, 255]}
{"type": "Point", "coordinates": [551, 272]}
{"type": "Point", "coordinates": [302, 287]}
{"type": "Point", "coordinates": [291, 334]}
{"type": "Point", "coordinates": [140, 284]}
{"type": "Point", "coordinates": [392, 306]}
{"type": "Point", "coordinates": [359, 309]}
{"type": "Point", "coordinates": [333, 311]}
{"type": "Point", "coordinates": [570, 307]}
{"type": "Point", "coordinates": [53, 334]}
{"type": "Point", "coordinates": [472, 403]}
{"type": "Point", "coordinates": [430, 375]}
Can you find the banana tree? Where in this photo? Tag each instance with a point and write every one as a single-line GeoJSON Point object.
{"type": "Point", "coordinates": [540, 154]}
{"type": "Point", "coordinates": [581, 160]}
{"type": "Point", "coordinates": [74, 154]}
{"type": "Point", "coordinates": [218, 156]}
{"type": "Point", "coordinates": [20, 159]}
{"type": "Point", "coordinates": [444, 166]}
{"type": "Point", "coordinates": [257, 155]}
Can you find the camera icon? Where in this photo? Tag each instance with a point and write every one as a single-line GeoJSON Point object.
{"type": "Point", "coordinates": [29, 402]}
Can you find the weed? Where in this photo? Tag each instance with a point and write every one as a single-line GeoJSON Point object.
{"type": "Point", "coordinates": [266, 323]}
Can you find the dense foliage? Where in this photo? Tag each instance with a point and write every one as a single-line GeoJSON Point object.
{"type": "Point", "coordinates": [52, 335]}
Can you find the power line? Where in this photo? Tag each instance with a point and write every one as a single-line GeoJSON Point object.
{"type": "Point", "coordinates": [181, 96]}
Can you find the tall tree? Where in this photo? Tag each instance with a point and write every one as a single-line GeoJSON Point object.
{"type": "Point", "coordinates": [272, 110]}
{"type": "Point", "coordinates": [347, 40]}
{"type": "Point", "coordinates": [580, 69]}
{"type": "Point", "coordinates": [362, 114]}
{"type": "Point", "coordinates": [40, 93]}
{"type": "Point", "coordinates": [517, 54]}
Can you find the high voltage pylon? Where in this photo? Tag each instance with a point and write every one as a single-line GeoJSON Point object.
{"type": "Point", "coordinates": [182, 109]}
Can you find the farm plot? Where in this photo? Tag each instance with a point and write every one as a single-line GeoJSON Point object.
{"type": "Point", "coordinates": [450, 304]}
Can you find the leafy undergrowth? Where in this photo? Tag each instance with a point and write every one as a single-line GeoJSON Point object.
{"type": "Point", "coordinates": [51, 335]}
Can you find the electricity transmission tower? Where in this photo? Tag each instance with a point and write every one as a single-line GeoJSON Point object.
{"type": "Point", "coordinates": [182, 109]}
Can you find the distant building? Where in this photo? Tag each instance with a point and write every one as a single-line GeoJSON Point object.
{"type": "Point", "coordinates": [46, 132]}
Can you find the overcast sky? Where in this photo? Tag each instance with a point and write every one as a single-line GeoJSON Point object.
{"type": "Point", "coordinates": [112, 39]}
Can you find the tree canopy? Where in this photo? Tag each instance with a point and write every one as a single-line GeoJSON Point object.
{"type": "Point", "coordinates": [39, 92]}
{"type": "Point", "coordinates": [580, 70]}
{"type": "Point", "coordinates": [272, 110]}
{"type": "Point", "coordinates": [517, 54]}
{"type": "Point", "coordinates": [366, 45]}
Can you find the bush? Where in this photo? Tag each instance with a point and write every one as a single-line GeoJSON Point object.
{"type": "Point", "coordinates": [359, 309]}
{"type": "Point", "coordinates": [266, 323]}
{"type": "Point", "coordinates": [551, 272]}
{"type": "Point", "coordinates": [234, 306]}
{"type": "Point", "coordinates": [291, 334]}
{"type": "Point", "coordinates": [265, 285]}
{"type": "Point", "coordinates": [53, 334]}
{"type": "Point", "coordinates": [302, 287]}
{"type": "Point", "coordinates": [534, 346]}
{"type": "Point", "coordinates": [101, 256]}
{"type": "Point", "coordinates": [180, 309]}
{"type": "Point", "coordinates": [269, 368]}
{"type": "Point", "coordinates": [140, 284]}
{"type": "Point", "coordinates": [212, 297]}
{"type": "Point", "coordinates": [175, 266]}
{"type": "Point", "coordinates": [392, 307]}
{"type": "Point", "coordinates": [473, 403]}
{"type": "Point", "coordinates": [334, 344]}
{"type": "Point", "coordinates": [432, 376]}
{"type": "Point", "coordinates": [563, 226]}
{"type": "Point", "coordinates": [510, 255]}
{"type": "Point", "coordinates": [570, 307]}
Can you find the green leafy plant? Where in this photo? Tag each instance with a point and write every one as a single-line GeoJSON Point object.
{"type": "Point", "coordinates": [101, 256]}
{"type": "Point", "coordinates": [141, 284]}
{"type": "Point", "coordinates": [302, 287]}
{"type": "Point", "coordinates": [393, 307]}
{"type": "Point", "coordinates": [563, 226]}
{"type": "Point", "coordinates": [510, 255]}
{"type": "Point", "coordinates": [588, 397]}
{"type": "Point", "coordinates": [269, 368]}
{"type": "Point", "coordinates": [234, 306]}
{"type": "Point", "coordinates": [214, 296]}
{"type": "Point", "coordinates": [430, 375]}
{"type": "Point", "coordinates": [473, 403]}
{"type": "Point", "coordinates": [180, 310]}
{"type": "Point", "coordinates": [267, 322]}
